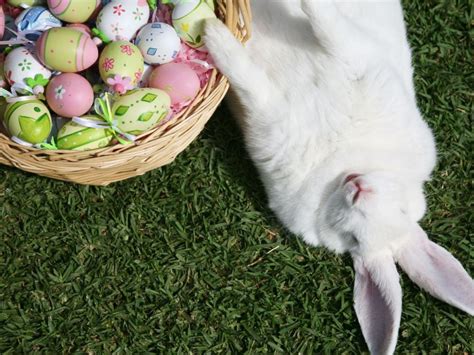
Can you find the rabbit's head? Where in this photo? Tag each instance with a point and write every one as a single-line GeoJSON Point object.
{"type": "Point", "coordinates": [374, 216]}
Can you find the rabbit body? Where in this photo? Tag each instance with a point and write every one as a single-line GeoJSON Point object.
{"type": "Point", "coordinates": [325, 96]}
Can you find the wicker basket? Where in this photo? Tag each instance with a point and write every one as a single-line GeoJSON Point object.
{"type": "Point", "coordinates": [153, 149]}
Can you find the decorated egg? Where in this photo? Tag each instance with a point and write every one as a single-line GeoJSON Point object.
{"type": "Point", "coordinates": [188, 20]}
{"type": "Point", "coordinates": [20, 64]}
{"type": "Point", "coordinates": [69, 95]}
{"type": "Point", "coordinates": [178, 80]}
{"type": "Point", "coordinates": [141, 109]}
{"type": "Point", "coordinates": [66, 50]}
{"type": "Point", "coordinates": [80, 27]}
{"type": "Point", "coordinates": [3, 82]}
{"type": "Point", "coordinates": [120, 20]}
{"type": "Point", "coordinates": [80, 137]}
{"type": "Point", "coordinates": [121, 65]}
{"type": "Point", "coordinates": [2, 22]}
{"type": "Point", "coordinates": [73, 10]}
{"type": "Point", "coordinates": [18, 3]}
{"type": "Point", "coordinates": [158, 42]}
{"type": "Point", "coordinates": [36, 18]}
{"type": "Point", "coordinates": [28, 120]}
{"type": "Point", "coordinates": [148, 69]}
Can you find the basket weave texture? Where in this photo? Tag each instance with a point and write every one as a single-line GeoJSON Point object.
{"type": "Point", "coordinates": [153, 149]}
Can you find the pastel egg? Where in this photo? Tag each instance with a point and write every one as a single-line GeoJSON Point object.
{"type": "Point", "coordinates": [36, 18]}
{"type": "Point", "coordinates": [18, 3]}
{"type": "Point", "coordinates": [20, 64]}
{"type": "Point", "coordinates": [73, 136]}
{"type": "Point", "coordinates": [69, 95]}
{"type": "Point", "coordinates": [28, 120]}
{"type": "Point", "coordinates": [158, 42]}
{"type": "Point", "coordinates": [66, 50]}
{"type": "Point", "coordinates": [120, 20]}
{"type": "Point", "coordinates": [188, 21]}
{"type": "Point", "coordinates": [140, 110]}
{"type": "Point", "coordinates": [178, 80]}
{"type": "Point", "coordinates": [2, 22]}
{"type": "Point", "coordinates": [122, 59]}
{"type": "Point", "coordinates": [73, 10]}
{"type": "Point", "coordinates": [80, 27]}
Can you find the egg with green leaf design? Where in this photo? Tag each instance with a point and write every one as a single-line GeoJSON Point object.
{"type": "Point", "coordinates": [74, 136]}
{"type": "Point", "coordinates": [141, 110]}
{"type": "Point", "coordinates": [28, 120]}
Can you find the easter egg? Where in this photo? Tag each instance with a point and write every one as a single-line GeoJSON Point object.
{"type": "Point", "coordinates": [80, 27]}
{"type": "Point", "coordinates": [69, 95]}
{"type": "Point", "coordinates": [120, 20]}
{"type": "Point", "coordinates": [188, 21]}
{"type": "Point", "coordinates": [36, 18]}
{"type": "Point", "coordinates": [140, 110]}
{"type": "Point", "coordinates": [73, 10]}
{"type": "Point", "coordinates": [121, 59]}
{"type": "Point", "coordinates": [2, 22]}
{"type": "Point", "coordinates": [18, 3]}
{"type": "Point", "coordinates": [158, 42]}
{"type": "Point", "coordinates": [28, 120]}
{"type": "Point", "coordinates": [66, 50]}
{"type": "Point", "coordinates": [73, 136]}
{"type": "Point", "coordinates": [148, 69]}
{"type": "Point", "coordinates": [20, 64]}
{"type": "Point", "coordinates": [178, 80]}
{"type": "Point", "coordinates": [3, 82]}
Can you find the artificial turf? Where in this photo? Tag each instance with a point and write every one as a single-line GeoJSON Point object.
{"type": "Point", "coordinates": [188, 258]}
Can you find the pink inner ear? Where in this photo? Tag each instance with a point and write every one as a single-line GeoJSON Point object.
{"type": "Point", "coordinates": [437, 271]}
{"type": "Point", "coordinates": [377, 301]}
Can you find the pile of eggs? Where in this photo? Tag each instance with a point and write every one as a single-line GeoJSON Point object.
{"type": "Point", "coordinates": [59, 56]}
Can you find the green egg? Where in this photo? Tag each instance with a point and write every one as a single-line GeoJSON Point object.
{"type": "Point", "coordinates": [141, 110]}
{"type": "Point", "coordinates": [73, 136]}
{"type": "Point", "coordinates": [121, 58]}
{"type": "Point", "coordinates": [28, 120]}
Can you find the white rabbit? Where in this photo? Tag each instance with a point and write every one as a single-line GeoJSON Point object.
{"type": "Point", "coordinates": [325, 95]}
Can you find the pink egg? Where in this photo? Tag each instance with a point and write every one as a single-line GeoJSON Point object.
{"type": "Point", "coordinates": [2, 22]}
{"type": "Point", "coordinates": [69, 95]}
{"type": "Point", "coordinates": [178, 80]}
{"type": "Point", "coordinates": [81, 27]}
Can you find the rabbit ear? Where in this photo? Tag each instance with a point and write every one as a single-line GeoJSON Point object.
{"type": "Point", "coordinates": [378, 301]}
{"type": "Point", "coordinates": [437, 271]}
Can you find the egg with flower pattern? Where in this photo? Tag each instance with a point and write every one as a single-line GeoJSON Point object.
{"type": "Point", "coordinates": [188, 20]}
{"type": "Point", "coordinates": [120, 20]}
{"type": "Point", "coordinates": [20, 64]}
{"type": "Point", "coordinates": [121, 66]}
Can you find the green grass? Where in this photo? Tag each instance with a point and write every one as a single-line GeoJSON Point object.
{"type": "Point", "coordinates": [189, 259]}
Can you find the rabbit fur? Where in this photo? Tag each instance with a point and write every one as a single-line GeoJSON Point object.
{"type": "Point", "coordinates": [325, 96]}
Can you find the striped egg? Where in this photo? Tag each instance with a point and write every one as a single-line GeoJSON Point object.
{"type": "Point", "coordinates": [73, 136]}
{"type": "Point", "coordinates": [188, 20]}
{"type": "Point", "coordinates": [140, 110]}
{"type": "Point", "coordinates": [66, 50]}
{"type": "Point", "coordinates": [74, 11]}
{"type": "Point", "coordinates": [28, 120]}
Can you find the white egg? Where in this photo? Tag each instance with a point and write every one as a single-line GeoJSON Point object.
{"type": "Point", "coordinates": [120, 20]}
{"type": "Point", "coordinates": [158, 42]}
{"type": "Point", "coordinates": [147, 70]}
{"type": "Point", "coordinates": [21, 64]}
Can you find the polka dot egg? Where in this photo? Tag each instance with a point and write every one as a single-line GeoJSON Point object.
{"type": "Point", "coordinates": [158, 42]}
